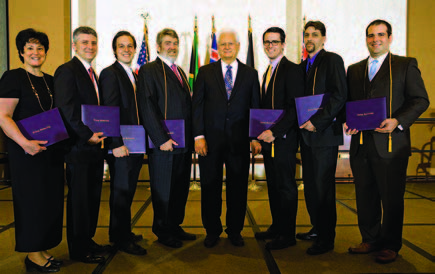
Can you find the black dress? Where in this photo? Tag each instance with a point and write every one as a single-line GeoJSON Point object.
{"type": "Point", "coordinates": [37, 181]}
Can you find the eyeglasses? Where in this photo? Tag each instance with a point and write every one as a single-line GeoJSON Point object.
{"type": "Point", "coordinates": [273, 43]}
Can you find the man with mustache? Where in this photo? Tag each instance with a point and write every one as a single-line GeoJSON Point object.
{"type": "Point", "coordinates": [76, 84]}
{"type": "Point", "coordinates": [164, 94]}
{"type": "Point", "coordinates": [118, 88]}
{"type": "Point", "coordinates": [321, 136]}
{"type": "Point", "coordinates": [224, 92]}
{"type": "Point", "coordinates": [380, 173]}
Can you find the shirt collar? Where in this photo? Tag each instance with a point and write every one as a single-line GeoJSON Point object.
{"type": "Point", "coordinates": [167, 61]}
{"type": "Point", "coordinates": [380, 58]}
{"type": "Point", "coordinates": [126, 67]}
{"type": "Point", "coordinates": [275, 62]}
{"type": "Point", "coordinates": [84, 62]}
{"type": "Point", "coordinates": [233, 64]}
{"type": "Point", "coordinates": [312, 59]}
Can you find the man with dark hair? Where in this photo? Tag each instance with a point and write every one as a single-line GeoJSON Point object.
{"type": "Point", "coordinates": [321, 136]}
{"type": "Point", "coordinates": [76, 84]}
{"type": "Point", "coordinates": [224, 92]}
{"type": "Point", "coordinates": [379, 158]}
{"type": "Point", "coordinates": [164, 94]}
{"type": "Point", "coordinates": [282, 82]}
{"type": "Point", "coordinates": [118, 88]}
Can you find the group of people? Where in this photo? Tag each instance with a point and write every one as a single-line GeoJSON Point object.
{"type": "Point", "coordinates": [216, 122]}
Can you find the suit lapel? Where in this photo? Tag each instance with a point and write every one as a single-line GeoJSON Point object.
{"type": "Point", "coordinates": [240, 75]}
{"type": "Point", "coordinates": [124, 78]}
{"type": "Point", "coordinates": [220, 77]}
{"type": "Point", "coordinates": [87, 78]}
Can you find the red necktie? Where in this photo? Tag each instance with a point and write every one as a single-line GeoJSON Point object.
{"type": "Point", "coordinates": [175, 70]}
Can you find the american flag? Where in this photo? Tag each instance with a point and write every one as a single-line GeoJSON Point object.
{"type": "Point", "coordinates": [144, 56]}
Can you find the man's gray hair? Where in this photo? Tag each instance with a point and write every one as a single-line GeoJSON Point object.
{"type": "Point", "coordinates": [226, 31]}
{"type": "Point", "coordinates": [83, 30]}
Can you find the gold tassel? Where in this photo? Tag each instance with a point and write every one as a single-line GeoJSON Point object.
{"type": "Point", "coordinates": [361, 138]}
{"type": "Point", "coordinates": [102, 144]}
{"type": "Point", "coordinates": [390, 143]}
{"type": "Point", "coordinates": [273, 150]}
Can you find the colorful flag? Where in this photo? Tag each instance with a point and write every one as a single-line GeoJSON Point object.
{"type": "Point", "coordinates": [250, 57]}
{"type": "Point", "coordinates": [304, 54]}
{"type": "Point", "coordinates": [144, 56]}
{"type": "Point", "coordinates": [214, 56]}
{"type": "Point", "coordinates": [194, 58]}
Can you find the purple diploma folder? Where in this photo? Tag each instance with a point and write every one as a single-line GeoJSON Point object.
{"type": "Point", "coordinates": [307, 106]}
{"type": "Point", "coordinates": [102, 119]}
{"type": "Point", "coordinates": [45, 126]}
{"type": "Point", "coordinates": [134, 139]}
{"type": "Point", "coordinates": [263, 119]}
{"type": "Point", "coordinates": [366, 114]}
{"type": "Point", "coordinates": [175, 129]}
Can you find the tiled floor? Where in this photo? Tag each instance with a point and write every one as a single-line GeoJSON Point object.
{"type": "Point", "coordinates": [416, 256]}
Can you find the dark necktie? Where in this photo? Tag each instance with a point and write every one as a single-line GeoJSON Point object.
{"type": "Point", "coordinates": [309, 68]}
{"type": "Point", "coordinates": [229, 81]}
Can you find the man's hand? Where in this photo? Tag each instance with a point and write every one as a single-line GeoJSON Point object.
{"type": "Point", "coordinates": [201, 147]}
{"type": "Point", "coordinates": [387, 126]}
{"type": "Point", "coordinates": [349, 131]}
{"type": "Point", "coordinates": [121, 151]}
{"type": "Point", "coordinates": [167, 146]}
{"type": "Point", "coordinates": [95, 139]}
{"type": "Point", "coordinates": [255, 147]}
{"type": "Point", "coordinates": [34, 147]}
{"type": "Point", "coordinates": [308, 126]}
{"type": "Point", "coordinates": [266, 136]}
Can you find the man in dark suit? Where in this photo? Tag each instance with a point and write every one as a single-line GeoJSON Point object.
{"type": "Point", "coordinates": [224, 92]}
{"type": "Point", "coordinates": [118, 88]}
{"type": "Point", "coordinates": [164, 94]}
{"type": "Point", "coordinates": [379, 158]}
{"type": "Point", "coordinates": [321, 136]}
{"type": "Point", "coordinates": [77, 85]}
{"type": "Point", "coordinates": [282, 82]}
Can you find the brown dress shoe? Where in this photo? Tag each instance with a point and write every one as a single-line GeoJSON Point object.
{"type": "Point", "coordinates": [386, 256]}
{"type": "Point", "coordinates": [362, 248]}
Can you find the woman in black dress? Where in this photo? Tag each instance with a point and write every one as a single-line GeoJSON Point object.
{"type": "Point", "coordinates": [36, 171]}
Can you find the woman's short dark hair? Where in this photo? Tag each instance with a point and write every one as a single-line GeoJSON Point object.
{"type": "Point", "coordinates": [30, 36]}
{"type": "Point", "coordinates": [119, 34]}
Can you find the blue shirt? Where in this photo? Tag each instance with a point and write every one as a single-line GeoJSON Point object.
{"type": "Point", "coordinates": [311, 61]}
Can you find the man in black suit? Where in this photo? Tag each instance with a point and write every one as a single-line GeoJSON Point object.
{"type": "Point", "coordinates": [164, 94]}
{"type": "Point", "coordinates": [224, 92]}
{"type": "Point", "coordinates": [380, 172]}
{"type": "Point", "coordinates": [321, 136]}
{"type": "Point", "coordinates": [77, 84]}
{"type": "Point", "coordinates": [282, 82]}
{"type": "Point", "coordinates": [118, 88]}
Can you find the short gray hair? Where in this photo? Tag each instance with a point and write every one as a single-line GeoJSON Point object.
{"type": "Point", "coordinates": [83, 30]}
{"type": "Point", "coordinates": [229, 30]}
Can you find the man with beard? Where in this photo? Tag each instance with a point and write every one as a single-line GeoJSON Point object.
{"type": "Point", "coordinates": [321, 136]}
{"type": "Point", "coordinates": [164, 94]}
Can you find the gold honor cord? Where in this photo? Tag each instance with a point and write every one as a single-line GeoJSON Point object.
{"type": "Point", "coordinates": [166, 87]}
{"type": "Point", "coordinates": [273, 102]}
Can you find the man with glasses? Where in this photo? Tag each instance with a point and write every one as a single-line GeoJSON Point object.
{"type": "Point", "coordinates": [321, 136]}
{"type": "Point", "coordinates": [223, 94]}
{"type": "Point", "coordinates": [282, 82]}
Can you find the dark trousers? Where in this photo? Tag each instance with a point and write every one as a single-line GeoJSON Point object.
{"type": "Point", "coordinates": [169, 181]}
{"type": "Point", "coordinates": [84, 181]}
{"type": "Point", "coordinates": [281, 186]}
{"type": "Point", "coordinates": [380, 187]}
{"type": "Point", "coordinates": [319, 165]}
{"type": "Point", "coordinates": [124, 173]}
{"type": "Point", "coordinates": [237, 174]}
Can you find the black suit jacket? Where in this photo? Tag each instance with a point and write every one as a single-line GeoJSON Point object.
{"type": "Point", "coordinates": [117, 90]}
{"type": "Point", "coordinates": [328, 68]}
{"type": "Point", "coordinates": [286, 83]}
{"type": "Point", "coordinates": [410, 100]}
{"type": "Point", "coordinates": [151, 100]}
{"type": "Point", "coordinates": [74, 88]}
{"type": "Point", "coordinates": [221, 120]}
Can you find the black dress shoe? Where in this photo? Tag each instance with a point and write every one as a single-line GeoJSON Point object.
{"type": "Point", "coordinates": [171, 242]}
{"type": "Point", "coordinates": [236, 240]}
{"type": "Point", "coordinates": [307, 236]}
{"type": "Point", "coordinates": [97, 249]}
{"type": "Point", "coordinates": [280, 242]}
{"type": "Point", "coordinates": [317, 249]}
{"type": "Point", "coordinates": [55, 261]}
{"type": "Point", "coordinates": [90, 259]}
{"type": "Point", "coordinates": [132, 248]}
{"type": "Point", "coordinates": [47, 268]}
{"type": "Point", "coordinates": [136, 237]}
{"type": "Point", "coordinates": [211, 240]}
{"type": "Point", "coordinates": [264, 235]}
{"type": "Point", "coordinates": [184, 236]}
